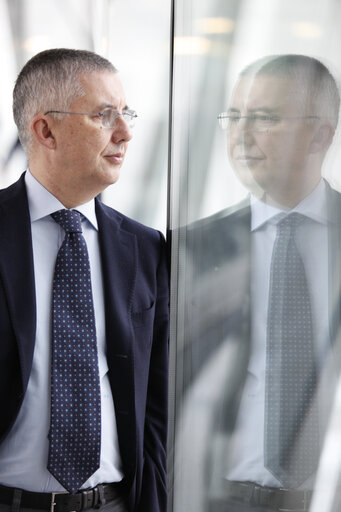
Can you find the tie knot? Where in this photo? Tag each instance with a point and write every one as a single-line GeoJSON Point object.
{"type": "Point", "coordinates": [70, 220]}
{"type": "Point", "coordinates": [291, 221]}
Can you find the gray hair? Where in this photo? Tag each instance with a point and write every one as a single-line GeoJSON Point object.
{"type": "Point", "coordinates": [51, 80]}
{"type": "Point", "coordinates": [312, 80]}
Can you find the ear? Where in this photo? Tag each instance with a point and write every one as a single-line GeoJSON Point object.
{"type": "Point", "coordinates": [41, 131]}
{"type": "Point", "coordinates": [322, 138]}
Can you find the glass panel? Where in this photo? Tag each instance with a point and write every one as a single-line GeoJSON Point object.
{"type": "Point", "coordinates": [255, 225]}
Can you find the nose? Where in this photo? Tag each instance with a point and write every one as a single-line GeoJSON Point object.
{"type": "Point", "coordinates": [241, 133]}
{"type": "Point", "coordinates": [121, 131]}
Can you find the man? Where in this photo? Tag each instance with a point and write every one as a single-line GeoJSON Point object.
{"type": "Point", "coordinates": [265, 310]}
{"type": "Point", "coordinates": [83, 349]}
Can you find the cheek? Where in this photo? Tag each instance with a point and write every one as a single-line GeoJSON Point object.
{"type": "Point", "coordinates": [92, 140]}
{"type": "Point", "coordinates": [92, 149]}
{"type": "Point", "coordinates": [230, 145]}
{"type": "Point", "coordinates": [288, 146]}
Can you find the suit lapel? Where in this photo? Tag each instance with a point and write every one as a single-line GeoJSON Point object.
{"type": "Point", "coordinates": [119, 265]}
{"type": "Point", "coordinates": [16, 270]}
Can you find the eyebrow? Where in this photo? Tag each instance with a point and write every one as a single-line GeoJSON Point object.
{"type": "Point", "coordinates": [109, 105]}
{"type": "Point", "coordinates": [264, 110]}
{"type": "Point", "coordinates": [267, 110]}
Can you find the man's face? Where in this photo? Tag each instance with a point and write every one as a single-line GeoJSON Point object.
{"type": "Point", "coordinates": [272, 155]}
{"type": "Point", "coordinates": [89, 156]}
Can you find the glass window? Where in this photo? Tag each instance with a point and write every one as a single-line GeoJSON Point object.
{"type": "Point", "coordinates": [255, 225]}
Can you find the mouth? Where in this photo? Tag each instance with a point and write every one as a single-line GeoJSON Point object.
{"type": "Point", "coordinates": [248, 159]}
{"type": "Point", "coordinates": [115, 158]}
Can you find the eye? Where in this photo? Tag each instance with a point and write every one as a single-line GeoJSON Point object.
{"type": "Point", "coordinates": [233, 118]}
{"type": "Point", "coordinates": [129, 116]}
{"type": "Point", "coordinates": [108, 117]}
{"type": "Point", "coordinates": [262, 118]}
{"type": "Point", "coordinates": [265, 118]}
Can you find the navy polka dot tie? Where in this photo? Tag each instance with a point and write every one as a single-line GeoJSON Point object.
{"type": "Point", "coordinates": [75, 429]}
{"type": "Point", "coordinates": [291, 420]}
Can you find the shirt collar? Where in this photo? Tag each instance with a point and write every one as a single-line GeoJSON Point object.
{"type": "Point", "coordinates": [314, 206]}
{"type": "Point", "coordinates": [42, 203]}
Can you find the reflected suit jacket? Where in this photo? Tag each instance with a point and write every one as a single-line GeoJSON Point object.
{"type": "Point", "coordinates": [135, 281]}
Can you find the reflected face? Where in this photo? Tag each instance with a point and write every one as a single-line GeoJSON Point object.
{"type": "Point", "coordinates": [274, 155]}
{"type": "Point", "coordinates": [89, 155]}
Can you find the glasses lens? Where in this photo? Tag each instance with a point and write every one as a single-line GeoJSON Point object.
{"type": "Point", "coordinates": [223, 121]}
{"type": "Point", "coordinates": [109, 117]}
{"type": "Point", "coordinates": [254, 123]}
{"type": "Point", "coordinates": [129, 116]}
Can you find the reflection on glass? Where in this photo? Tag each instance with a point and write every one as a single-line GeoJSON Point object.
{"type": "Point", "coordinates": [262, 313]}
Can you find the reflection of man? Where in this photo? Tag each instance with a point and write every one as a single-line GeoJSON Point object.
{"type": "Point", "coordinates": [278, 256]}
{"type": "Point", "coordinates": [280, 124]}
{"type": "Point", "coordinates": [89, 349]}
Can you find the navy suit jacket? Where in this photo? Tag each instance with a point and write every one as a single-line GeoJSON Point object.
{"type": "Point", "coordinates": [136, 310]}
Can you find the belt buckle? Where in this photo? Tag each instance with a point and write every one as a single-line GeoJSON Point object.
{"type": "Point", "coordinates": [304, 507]}
{"type": "Point", "coordinates": [88, 498]}
{"type": "Point", "coordinates": [53, 496]}
{"type": "Point", "coordinates": [292, 509]}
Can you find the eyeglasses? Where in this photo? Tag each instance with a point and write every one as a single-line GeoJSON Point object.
{"type": "Point", "coordinates": [108, 117]}
{"type": "Point", "coordinates": [256, 122]}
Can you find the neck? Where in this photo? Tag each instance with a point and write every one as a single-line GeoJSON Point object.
{"type": "Point", "coordinates": [287, 198]}
{"type": "Point", "coordinates": [70, 196]}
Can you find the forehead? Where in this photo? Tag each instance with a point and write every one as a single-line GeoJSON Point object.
{"type": "Point", "coordinates": [101, 89]}
{"type": "Point", "coordinates": [266, 92]}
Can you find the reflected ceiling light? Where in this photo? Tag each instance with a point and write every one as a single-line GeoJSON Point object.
{"type": "Point", "coordinates": [35, 44]}
{"type": "Point", "coordinates": [191, 45]}
{"type": "Point", "coordinates": [215, 25]}
{"type": "Point", "coordinates": [307, 30]}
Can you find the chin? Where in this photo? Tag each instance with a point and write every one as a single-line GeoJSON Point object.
{"type": "Point", "coordinates": [254, 182]}
{"type": "Point", "coordinates": [111, 176]}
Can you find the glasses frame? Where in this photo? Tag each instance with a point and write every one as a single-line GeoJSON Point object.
{"type": "Point", "coordinates": [224, 116]}
{"type": "Point", "coordinates": [128, 115]}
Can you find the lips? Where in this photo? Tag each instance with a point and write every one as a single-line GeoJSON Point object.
{"type": "Point", "coordinates": [248, 161]}
{"type": "Point", "coordinates": [115, 158]}
{"type": "Point", "coordinates": [248, 157]}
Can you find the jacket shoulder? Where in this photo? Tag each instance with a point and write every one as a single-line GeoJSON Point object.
{"type": "Point", "coordinates": [14, 190]}
{"type": "Point", "coordinates": [143, 233]}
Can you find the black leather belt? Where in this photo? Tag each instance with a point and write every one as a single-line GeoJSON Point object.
{"type": "Point", "coordinates": [271, 497]}
{"type": "Point", "coordinates": [63, 502]}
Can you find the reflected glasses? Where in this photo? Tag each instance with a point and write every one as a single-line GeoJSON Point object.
{"type": "Point", "coordinates": [108, 117]}
{"type": "Point", "coordinates": [256, 122]}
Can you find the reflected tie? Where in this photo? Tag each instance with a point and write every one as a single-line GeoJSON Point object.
{"type": "Point", "coordinates": [291, 421]}
{"type": "Point", "coordinates": [75, 429]}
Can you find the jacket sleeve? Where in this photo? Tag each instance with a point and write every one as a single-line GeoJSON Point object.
{"type": "Point", "coordinates": [153, 496]}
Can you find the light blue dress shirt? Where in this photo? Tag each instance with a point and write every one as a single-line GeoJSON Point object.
{"type": "Point", "coordinates": [23, 455]}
